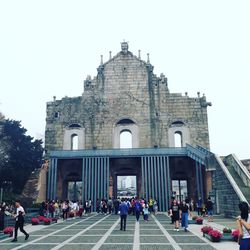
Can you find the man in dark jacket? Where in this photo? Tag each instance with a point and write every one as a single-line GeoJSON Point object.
{"type": "Point", "coordinates": [123, 208]}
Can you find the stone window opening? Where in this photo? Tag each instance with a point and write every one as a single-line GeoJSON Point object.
{"type": "Point", "coordinates": [125, 122]}
{"type": "Point", "coordinates": [74, 142]}
{"type": "Point", "coordinates": [177, 124]}
{"type": "Point", "coordinates": [56, 115]}
{"type": "Point", "coordinates": [74, 125]}
{"type": "Point", "coordinates": [126, 139]}
{"type": "Point", "coordinates": [178, 139]}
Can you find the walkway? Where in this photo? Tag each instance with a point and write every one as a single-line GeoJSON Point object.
{"type": "Point", "coordinates": [103, 232]}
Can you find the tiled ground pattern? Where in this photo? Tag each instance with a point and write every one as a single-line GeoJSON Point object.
{"type": "Point", "coordinates": [103, 232]}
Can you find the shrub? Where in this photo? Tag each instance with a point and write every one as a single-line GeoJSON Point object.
{"type": "Point", "coordinates": [8, 230]}
{"type": "Point", "coordinates": [47, 221]}
{"type": "Point", "coordinates": [227, 230]}
{"type": "Point", "coordinates": [206, 229]}
{"type": "Point", "coordinates": [215, 234]}
{"type": "Point", "coordinates": [34, 221]}
{"type": "Point", "coordinates": [199, 220]}
{"type": "Point", "coordinates": [41, 218]}
{"type": "Point", "coordinates": [235, 234]}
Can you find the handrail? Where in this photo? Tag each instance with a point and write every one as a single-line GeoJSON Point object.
{"type": "Point", "coordinates": [204, 150]}
{"type": "Point", "coordinates": [230, 179]}
{"type": "Point", "coordinates": [196, 154]}
{"type": "Point", "coordinates": [239, 168]}
{"type": "Point", "coordinates": [134, 152]}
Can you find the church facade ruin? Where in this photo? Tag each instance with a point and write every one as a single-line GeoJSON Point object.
{"type": "Point", "coordinates": [167, 133]}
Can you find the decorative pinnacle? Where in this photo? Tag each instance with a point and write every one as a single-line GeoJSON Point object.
{"type": "Point", "coordinates": [148, 61]}
{"type": "Point", "coordinates": [124, 46]}
{"type": "Point", "coordinates": [110, 55]}
{"type": "Point", "coordinates": [139, 54]}
{"type": "Point", "coordinates": [101, 59]}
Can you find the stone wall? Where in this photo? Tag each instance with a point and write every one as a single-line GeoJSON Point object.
{"type": "Point", "coordinates": [126, 88]}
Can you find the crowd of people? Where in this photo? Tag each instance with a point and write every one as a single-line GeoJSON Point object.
{"type": "Point", "coordinates": [180, 211]}
{"type": "Point", "coordinates": [66, 208]}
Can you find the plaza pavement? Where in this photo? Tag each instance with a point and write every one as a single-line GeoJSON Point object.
{"type": "Point", "coordinates": [103, 232]}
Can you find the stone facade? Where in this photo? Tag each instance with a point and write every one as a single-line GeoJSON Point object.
{"type": "Point", "coordinates": [126, 95]}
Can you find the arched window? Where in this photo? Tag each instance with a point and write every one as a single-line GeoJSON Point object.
{"type": "Point", "coordinates": [56, 114]}
{"type": "Point", "coordinates": [178, 139]}
{"type": "Point", "coordinates": [125, 139]}
{"type": "Point", "coordinates": [74, 142]}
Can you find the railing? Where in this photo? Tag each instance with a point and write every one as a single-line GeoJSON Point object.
{"type": "Point", "coordinates": [230, 178]}
{"type": "Point", "coordinates": [239, 168]}
{"type": "Point", "coordinates": [196, 154]}
{"type": "Point", "coordinates": [135, 152]}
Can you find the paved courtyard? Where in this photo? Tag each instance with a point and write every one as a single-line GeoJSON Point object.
{"type": "Point", "coordinates": [103, 232]}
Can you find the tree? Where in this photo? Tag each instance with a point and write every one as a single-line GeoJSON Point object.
{"type": "Point", "coordinates": [19, 155]}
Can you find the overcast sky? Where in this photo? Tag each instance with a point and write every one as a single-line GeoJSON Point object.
{"type": "Point", "coordinates": [48, 48]}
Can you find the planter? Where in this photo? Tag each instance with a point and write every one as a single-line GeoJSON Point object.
{"type": "Point", "coordinates": [47, 221]}
{"type": "Point", "coordinates": [192, 222]}
{"type": "Point", "coordinates": [3, 236]}
{"type": "Point", "coordinates": [195, 222]}
{"type": "Point", "coordinates": [211, 238]}
{"type": "Point", "coordinates": [227, 236]}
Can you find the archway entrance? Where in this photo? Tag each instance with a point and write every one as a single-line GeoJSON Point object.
{"type": "Point", "coordinates": [74, 190]}
{"type": "Point", "coordinates": [180, 189]}
{"type": "Point", "coordinates": [126, 186]}
{"type": "Point", "coordinates": [125, 177]}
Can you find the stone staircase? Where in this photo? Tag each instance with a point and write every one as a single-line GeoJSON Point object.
{"type": "Point", "coordinates": [245, 189]}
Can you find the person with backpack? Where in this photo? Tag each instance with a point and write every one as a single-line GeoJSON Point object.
{"type": "Point", "coordinates": [123, 208]}
{"type": "Point", "coordinates": [138, 209]}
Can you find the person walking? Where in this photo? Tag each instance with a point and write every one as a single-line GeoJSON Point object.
{"type": "Point", "coordinates": [175, 215]}
{"type": "Point", "coordinates": [138, 209]}
{"type": "Point", "coordinates": [123, 208]}
{"type": "Point", "coordinates": [199, 206]}
{"type": "Point", "coordinates": [209, 207]}
{"type": "Point", "coordinates": [145, 212]}
{"type": "Point", "coordinates": [20, 213]}
{"type": "Point", "coordinates": [184, 215]}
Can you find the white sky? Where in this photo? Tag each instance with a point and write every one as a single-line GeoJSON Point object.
{"type": "Point", "coordinates": [48, 48]}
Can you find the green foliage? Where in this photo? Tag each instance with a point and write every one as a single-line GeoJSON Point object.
{"type": "Point", "coordinates": [19, 155]}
